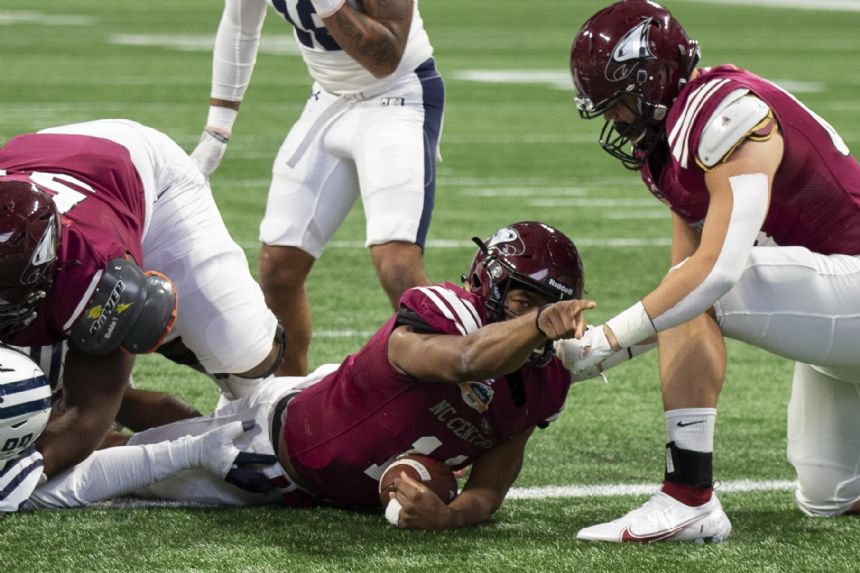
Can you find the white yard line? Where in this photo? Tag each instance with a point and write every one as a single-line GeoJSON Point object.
{"type": "Point", "coordinates": [575, 202]}
{"type": "Point", "coordinates": [342, 333]}
{"type": "Point", "coordinates": [517, 493]}
{"type": "Point", "coordinates": [837, 5]}
{"type": "Point", "coordinates": [618, 490]}
{"type": "Point", "coordinates": [12, 17]}
{"type": "Point", "coordinates": [278, 45]}
{"type": "Point", "coordinates": [446, 244]}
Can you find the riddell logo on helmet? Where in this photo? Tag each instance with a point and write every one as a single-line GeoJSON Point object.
{"type": "Point", "coordinates": [563, 288]}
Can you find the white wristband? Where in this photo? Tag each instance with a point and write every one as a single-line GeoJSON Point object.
{"type": "Point", "coordinates": [326, 8]}
{"type": "Point", "coordinates": [221, 118]}
{"type": "Point", "coordinates": [631, 326]}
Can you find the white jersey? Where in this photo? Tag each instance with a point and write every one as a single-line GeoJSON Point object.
{"type": "Point", "coordinates": [332, 67]}
{"type": "Point", "coordinates": [337, 72]}
{"type": "Point", "coordinates": [19, 478]}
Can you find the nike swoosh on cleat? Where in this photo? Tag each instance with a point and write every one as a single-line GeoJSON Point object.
{"type": "Point", "coordinates": [629, 537]}
{"type": "Point", "coordinates": [684, 425]}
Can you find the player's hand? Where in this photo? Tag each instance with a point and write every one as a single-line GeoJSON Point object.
{"type": "Point", "coordinates": [219, 455]}
{"type": "Point", "coordinates": [210, 150]}
{"type": "Point", "coordinates": [415, 506]}
{"type": "Point", "coordinates": [594, 348]}
{"type": "Point", "coordinates": [571, 352]}
{"type": "Point", "coordinates": [564, 319]}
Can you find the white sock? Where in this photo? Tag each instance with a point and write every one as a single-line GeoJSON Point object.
{"type": "Point", "coordinates": [691, 428]}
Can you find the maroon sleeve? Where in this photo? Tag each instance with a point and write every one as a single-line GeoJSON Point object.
{"type": "Point", "coordinates": [445, 308]}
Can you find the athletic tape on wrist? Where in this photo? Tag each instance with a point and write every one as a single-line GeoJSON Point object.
{"type": "Point", "coordinates": [631, 326]}
{"type": "Point", "coordinates": [392, 512]}
{"type": "Point", "coordinates": [326, 8]}
{"type": "Point", "coordinates": [221, 118]}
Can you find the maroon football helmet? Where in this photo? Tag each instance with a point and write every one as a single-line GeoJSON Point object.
{"type": "Point", "coordinates": [29, 241]}
{"type": "Point", "coordinates": [633, 48]}
{"type": "Point", "coordinates": [528, 255]}
{"type": "Point", "coordinates": [531, 256]}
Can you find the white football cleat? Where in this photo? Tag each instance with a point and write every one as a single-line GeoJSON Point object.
{"type": "Point", "coordinates": [664, 518]}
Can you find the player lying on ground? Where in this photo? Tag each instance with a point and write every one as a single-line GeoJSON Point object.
{"type": "Point", "coordinates": [463, 376]}
{"type": "Point", "coordinates": [765, 200]}
{"type": "Point", "coordinates": [25, 405]}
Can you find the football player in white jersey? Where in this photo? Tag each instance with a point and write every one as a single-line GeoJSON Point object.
{"type": "Point", "coordinates": [370, 129]}
{"type": "Point", "coordinates": [25, 406]}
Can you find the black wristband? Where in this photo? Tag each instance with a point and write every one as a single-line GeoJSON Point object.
{"type": "Point", "coordinates": [537, 319]}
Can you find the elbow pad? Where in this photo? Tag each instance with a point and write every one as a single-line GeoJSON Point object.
{"type": "Point", "coordinates": [130, 309]}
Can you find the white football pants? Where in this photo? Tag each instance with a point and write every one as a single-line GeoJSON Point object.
{"type": "Point", "coordinates": [221, 314]}
{"type": "Point", "coordinates": [806, 306]}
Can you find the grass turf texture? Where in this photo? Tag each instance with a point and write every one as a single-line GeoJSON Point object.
{"type": "Point", "coordinates": [512, 151]}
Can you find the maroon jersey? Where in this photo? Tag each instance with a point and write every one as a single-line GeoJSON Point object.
{"type": "Point", "coordinates": [101, 200]}
{"type": "Point", "coordinates": [815, 201]}
{"type": "Point", "coordinates": [343, 431]}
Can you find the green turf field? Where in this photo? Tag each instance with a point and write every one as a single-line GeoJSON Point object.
{"type": "Point", "coordinates": [513, 149]}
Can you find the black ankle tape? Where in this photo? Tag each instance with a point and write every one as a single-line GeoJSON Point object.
{"type": "Point", "coordinates": [689, 467]}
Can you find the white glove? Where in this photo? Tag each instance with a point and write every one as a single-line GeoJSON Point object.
{"type": "Point", "coordinates": [209, 152]}
{"type": "Point", "coordinates": [215, 451]}
{"type": "Point", "coordinates": [217, 454]}
{"type": "Point", "coordinates": [571, 351]}
{"type": "Point", "coordinates": [593, 348]}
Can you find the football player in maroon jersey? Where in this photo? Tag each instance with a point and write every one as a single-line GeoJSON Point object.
{"type": "Point", "coordinates": [765, 202]}
{"type": "Point", "coordinates": [463, 375]}
{"type": "Point", "coordinates": [104, 226]}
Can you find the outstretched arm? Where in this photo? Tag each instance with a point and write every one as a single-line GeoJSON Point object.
{"type": "Point", "coordinates": [489, 481]}
{"type": "Point", "coordinates": [491, 351]}
{"type": "Point", "coordinates": [739, 198]}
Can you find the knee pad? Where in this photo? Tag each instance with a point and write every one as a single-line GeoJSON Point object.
{"type": "Point", "coordinates": [825, 491]}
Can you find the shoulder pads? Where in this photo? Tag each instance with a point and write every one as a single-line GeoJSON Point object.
{"type": "Point", "coordinates": [731, 123]}
{"type": "Point", "coordinates": [129, 309]}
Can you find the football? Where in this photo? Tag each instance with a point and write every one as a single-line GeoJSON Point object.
{"type": "Point", "coordinates": [431, 472]}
